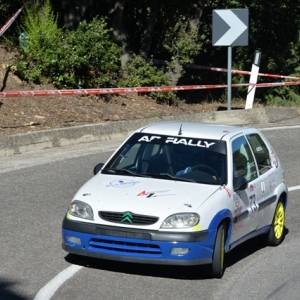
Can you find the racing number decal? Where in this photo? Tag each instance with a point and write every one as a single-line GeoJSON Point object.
{"type": "Point", "coordinates": [252, 199]}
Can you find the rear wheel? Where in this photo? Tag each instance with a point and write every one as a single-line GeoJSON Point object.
{"type": "Point", "coordinates": [276, 233]}
{"type": "Point", "coordinates": [217, 267]}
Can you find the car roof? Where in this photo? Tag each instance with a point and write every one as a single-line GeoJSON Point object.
{"type": "Point", "coordinates": [193, 129]}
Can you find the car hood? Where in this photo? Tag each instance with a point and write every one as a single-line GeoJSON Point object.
{"type": "Point", "coordinates": [141, 195]}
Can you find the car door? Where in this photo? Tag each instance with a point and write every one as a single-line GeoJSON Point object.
{"type": "Point", "coordinates": [246, 215]}
{"type": "Point", "coordinates": [266, 171]}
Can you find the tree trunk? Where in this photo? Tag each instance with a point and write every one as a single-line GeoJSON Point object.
{"type": "Point", "coordinates": [148, 32]}
{"type": "Point", "coordinates": [72, 13]}
{"type": "Point", "coordinates": [119, 32]}
{"type": "Point", "coordinates": [196, 14]}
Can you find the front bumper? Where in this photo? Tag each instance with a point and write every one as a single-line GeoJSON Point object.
{"type": "Point", "coordinates": [137, 245]}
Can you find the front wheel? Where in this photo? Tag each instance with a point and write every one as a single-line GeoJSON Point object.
{"type": "Point", "coordinates": [276, 233]}
{"type": "Point", "coordinates": [217, 267]}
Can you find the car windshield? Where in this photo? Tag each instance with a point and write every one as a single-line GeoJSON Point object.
{"type": "Point", "coordinates": [171, 158]}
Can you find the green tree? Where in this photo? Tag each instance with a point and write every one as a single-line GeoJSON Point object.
{"type": "Point", "coordinates": [87, 57]}
{"type": "Point", "coordinates": [179, 32]}
{"type": "Point", "coordinates": [39, 23]}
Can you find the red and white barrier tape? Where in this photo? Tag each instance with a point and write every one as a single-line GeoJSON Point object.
{"type": "Point", "coordinates": [191, 66]}
{"type": "Point", "coordinates": [10, 21]}
{"type": "Point", "coordinates": [132, 90]}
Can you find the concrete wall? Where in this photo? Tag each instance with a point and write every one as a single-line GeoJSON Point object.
{"type": "Point", "coordinates": [38, 140]}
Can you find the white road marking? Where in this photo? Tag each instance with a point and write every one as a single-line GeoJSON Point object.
{"type": "Point", "coordinates": [52, 286]}
{"type": "Point", "coordinates": [279, 128]}
{"type": "Point", "coordinates": [293, 188]}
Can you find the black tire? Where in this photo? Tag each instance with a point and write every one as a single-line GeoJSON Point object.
{"type": "Point", "coordinates": [217, 266]}
{"type": "Point", "coordinates": [276, 233]}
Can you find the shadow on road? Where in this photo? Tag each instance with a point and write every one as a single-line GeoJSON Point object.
{"type": "Point", "coordinates": [6, 291]}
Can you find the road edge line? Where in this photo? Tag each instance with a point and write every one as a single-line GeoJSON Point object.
{"type": "Point", "coordinates": [46, 292]}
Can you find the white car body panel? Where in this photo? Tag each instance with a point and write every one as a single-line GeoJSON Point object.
{"type": "Point", "coordinates": [120, 194]}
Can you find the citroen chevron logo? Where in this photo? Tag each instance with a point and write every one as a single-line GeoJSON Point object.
{"type": "Point", "coordinates": [127, 217]}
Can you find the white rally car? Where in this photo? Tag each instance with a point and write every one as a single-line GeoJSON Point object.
{"type": "Point", "coordinates": [180, 193]}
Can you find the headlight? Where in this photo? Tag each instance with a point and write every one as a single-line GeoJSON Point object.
{"type": "Point", "coordinates": [81, 210]}
{"type": "Point", "coordinates": [183, 220]}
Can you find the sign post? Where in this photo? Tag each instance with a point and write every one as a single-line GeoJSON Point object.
{"type": "Point", "coordinates": [229, 67]}
{"type": "Point", "coordinates": [253, 79]}
{"type": "Point", "coordinates": [230, 28]}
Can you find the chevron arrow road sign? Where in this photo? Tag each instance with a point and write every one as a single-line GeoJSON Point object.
{"type": "Point", "coordinates": [230, 27]}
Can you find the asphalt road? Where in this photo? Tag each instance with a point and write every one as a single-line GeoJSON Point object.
{"type": "Point", "coordinates": [36, 189]}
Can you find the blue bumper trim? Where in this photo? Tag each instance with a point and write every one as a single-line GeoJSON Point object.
{"type": "Point", "coordinates": [139, 250]}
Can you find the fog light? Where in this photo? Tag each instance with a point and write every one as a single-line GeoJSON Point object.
{"type": "Point", "coordinates": [74, 239]}
{"type": "Point", "coordinates": [180, 251]}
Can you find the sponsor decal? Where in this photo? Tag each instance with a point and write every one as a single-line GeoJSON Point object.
{"type": "Point", "coordinates": [152, 194]}
{"type": "Point", "coordinates": [149, 138]}
{"type": "Point", "coordinates": [237, 211]}
{"type": "Point", "coordinates": [178, 141]}
{"type": "Point", "coordinates": [238, 225]}
{"type": "Point", "coordinates": [272, 180]}
{"type": "Point", "coordinates": [251, 188]}
{"type": "Point", "coordinates": [86, 194]}
{"type": "Point", "coordinates": [228, 192]}
{"type": "Point", "coordinates": [252, 199]}
{"type": "Point", "coordinates": [120, 184]}
{"type": "Point", "coordinates": [274, 160]}
{"type": "Point", "coordinates": [236, 199]}
{"type": "Point", "coordinates": [189, 142]}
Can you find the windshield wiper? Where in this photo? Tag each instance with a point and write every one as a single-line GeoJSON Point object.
{"type": "Point", "coordinates": [115, 171]}
{"type": "Point", "coordinates": [168, 176]}
{"type": "Point", "coordinates": [153, 175]}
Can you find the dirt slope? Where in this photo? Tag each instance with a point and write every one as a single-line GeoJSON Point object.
{"type": "Point", "coordinates": [27, 114]}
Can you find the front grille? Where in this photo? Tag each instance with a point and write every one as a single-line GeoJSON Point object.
{"type": "Point", "coordinates": [127, 218]}
{"type": "Point", "coordinates": [113, 246]}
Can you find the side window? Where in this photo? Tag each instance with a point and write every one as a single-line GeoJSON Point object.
{"type": "Point", "coordinates": [243, 161]}
{"type": "Point", "coordinates": [260, 151]}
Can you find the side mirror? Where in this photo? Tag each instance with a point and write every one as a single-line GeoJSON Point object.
{"type": "Point", "coordinates": [239, 183]}
{"type": "Point", "coordinates": [98, 168]}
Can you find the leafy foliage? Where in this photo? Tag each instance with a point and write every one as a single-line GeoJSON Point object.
{"type": "Point", "coordinates": [285, 95]}
{"type": "Point", "coordinates": [87, 56]}
{"type": "Point", "coordinates": [39, 24]}
{"type": "Point", "coordinates": [139, 73]}
{"type": "Point", "coordinates": [181, 44]}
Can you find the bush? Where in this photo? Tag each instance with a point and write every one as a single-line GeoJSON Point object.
{"type": "Point", "coordinates": [84, 58]}
{"type": "Point", "coordinates": [40, 26]}
{"type": "Point", "coordinates": [87, 57]}
{"type": "Point", "coordinates": [139, 73]}
{"type": "Point", "coordinates": [285, 95]}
